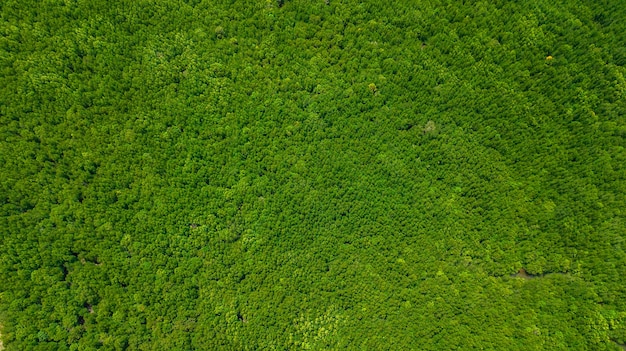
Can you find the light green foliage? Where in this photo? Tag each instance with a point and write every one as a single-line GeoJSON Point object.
{"type": "Point", "coordinates": [342, 175]}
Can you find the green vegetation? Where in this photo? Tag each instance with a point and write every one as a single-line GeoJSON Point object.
{"type": "Point", "coordinates": [309, 175]}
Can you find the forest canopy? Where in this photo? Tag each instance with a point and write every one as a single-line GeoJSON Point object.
{"type": "Point", "coordinates": [312, 175]}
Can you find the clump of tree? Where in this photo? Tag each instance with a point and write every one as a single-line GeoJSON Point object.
{"type": "Point", "coordinates": [315, 175]}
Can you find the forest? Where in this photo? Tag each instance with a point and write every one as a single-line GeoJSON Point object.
{"type": "Point", "coordinates": [312, 175]}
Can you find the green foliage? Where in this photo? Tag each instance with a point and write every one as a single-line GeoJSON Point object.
{"type": "Point", "coordinates": [238, 175]}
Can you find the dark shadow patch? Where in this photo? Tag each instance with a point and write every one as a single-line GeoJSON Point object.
{"type": "Point", "coordinates": [522, 273]}
{"type": "Point", "coordinates": [407, 126]}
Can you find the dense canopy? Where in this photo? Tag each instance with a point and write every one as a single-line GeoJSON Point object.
{"type": "Point", "coordinates": [310, 175]}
